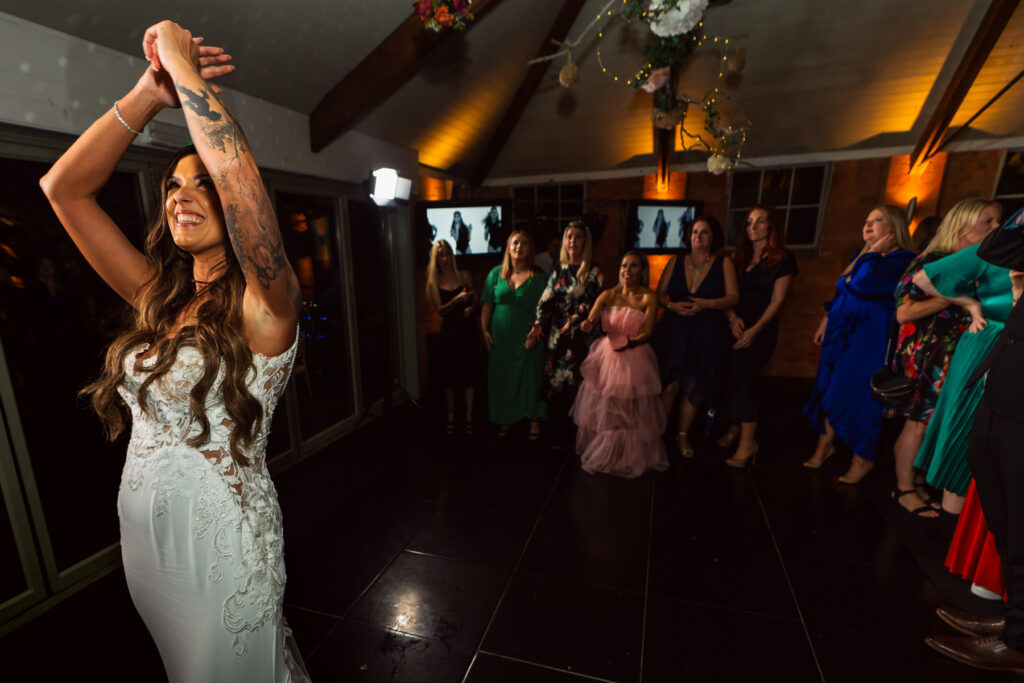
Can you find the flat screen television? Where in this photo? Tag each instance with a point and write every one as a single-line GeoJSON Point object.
{"type": "Point", "coordinates": [473, 227]}
{"type": "Point", "coordinates": [658, 225]}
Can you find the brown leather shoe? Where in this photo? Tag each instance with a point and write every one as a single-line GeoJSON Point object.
{"type": "Point", "coordinates": [970, 624]}
{"type": "Point", "coordinates": [982, 652]}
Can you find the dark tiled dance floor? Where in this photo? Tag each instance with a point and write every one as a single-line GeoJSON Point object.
{"type": "Point", "coordinates": [416, 558]}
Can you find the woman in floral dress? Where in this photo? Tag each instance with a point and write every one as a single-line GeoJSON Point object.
{"type": "Point", "coordinates": [929, 331]}
{"type": "Point", "coordinates": [572, 289]}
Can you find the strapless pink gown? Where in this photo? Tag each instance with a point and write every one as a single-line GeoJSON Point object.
{"type": "Point", "coordinates": [617, 410]}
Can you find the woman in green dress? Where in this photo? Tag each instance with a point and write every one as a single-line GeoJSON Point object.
{"type": "Point", "coordinates": [984, 291]}
{"type": "Point", "coordinates": [515, 365]}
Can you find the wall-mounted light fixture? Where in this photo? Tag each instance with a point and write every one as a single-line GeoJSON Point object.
{"type": "Point", "coordinates": [387, 186]}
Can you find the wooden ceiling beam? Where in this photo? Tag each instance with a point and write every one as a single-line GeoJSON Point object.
{"type": "Point", "coordinates": [991, 27]}
{"type": "Point", "coordinates": [558, 32]}
{"type": "Point", "coordinates": [388, 66]}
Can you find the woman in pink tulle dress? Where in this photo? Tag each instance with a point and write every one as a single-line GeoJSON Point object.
{"type": "Point", "coordinates": [617, 411]}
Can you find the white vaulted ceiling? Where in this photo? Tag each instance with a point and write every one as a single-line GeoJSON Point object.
{"type": "Point", "coordinates": [820, 76]}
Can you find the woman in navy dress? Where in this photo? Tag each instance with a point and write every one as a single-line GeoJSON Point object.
{"type": "Point", "coordinates": [694, 289]}
{"type": "Point", "coordinates": [764, 270]}
{"type": "Point", "coordinates": [853, 337]}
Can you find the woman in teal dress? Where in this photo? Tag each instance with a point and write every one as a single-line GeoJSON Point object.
{"type": "Point", "coordinates": [984, 291]}
{"type": "Point", "coordinates": [515, 365]}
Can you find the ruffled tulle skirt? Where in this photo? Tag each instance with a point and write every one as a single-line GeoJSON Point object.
{"type": "Point", "coordinates": [619, 417]}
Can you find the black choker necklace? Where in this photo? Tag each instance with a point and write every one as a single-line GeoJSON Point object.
{"type": "Point", "coordinates": [202, 282]}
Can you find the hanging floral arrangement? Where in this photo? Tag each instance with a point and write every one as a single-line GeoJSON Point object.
{"type": "Point", "coordinates": [676, 31]}
{"type": "Point", "coordinates": [441, 14]}
{"type": "Point", "coordinates": [667, 18]}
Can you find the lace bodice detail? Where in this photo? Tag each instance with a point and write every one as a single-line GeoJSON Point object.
{"type": "Point", "coordinates": [231, 502]}
{"type": "Point", "coordinates": [169, 420]}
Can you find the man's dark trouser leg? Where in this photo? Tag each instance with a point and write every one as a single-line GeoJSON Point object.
{"type": "Point", "coordinates": [996, 458]}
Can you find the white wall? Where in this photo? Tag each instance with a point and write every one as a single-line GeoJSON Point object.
{"type": "Point", "coordinates": [53, 81]}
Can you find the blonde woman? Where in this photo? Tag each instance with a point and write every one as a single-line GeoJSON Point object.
{"type": "Point", "coordinates": [853, 336]}
{"type": "Point", "coordinates": [930, 328]}
{"type": "Point", "coordinates": [572, 289]}
{"type": "Point", "coordinates": [515, 364]}
{"type": "Point", "coordinates": [618, 409]}
{"type": "Point", "coordinates": [985, 291]}
{"type": "Point", "coordinates": [450, 292]}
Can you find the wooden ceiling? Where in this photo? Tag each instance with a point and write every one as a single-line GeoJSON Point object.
{"type": "Point", "coordinates": [820, 77]}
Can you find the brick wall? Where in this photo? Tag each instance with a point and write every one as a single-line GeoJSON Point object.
{"type": "Point", "coordinates": [857, 186]}
{"type": "Point", "coordinates": [969, 174]}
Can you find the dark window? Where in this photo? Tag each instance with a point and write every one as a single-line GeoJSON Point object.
{"type": "Point", "coordinates": [322, 375]}
{"type": "Point", "coordinates": [1010, 189]}
{"type": "Point", "coordinates": [550, 204]}
{"type": "Point", "coordinates": [56, 319]}
{"type": "Point", "coordinates": [797, 193]}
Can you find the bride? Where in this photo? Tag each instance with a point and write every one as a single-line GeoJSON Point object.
{"type": "Point", "coordinates": [201, 370]}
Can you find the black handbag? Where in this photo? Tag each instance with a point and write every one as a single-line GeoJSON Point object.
{"type": "Point", "coordinates": [893, 389]}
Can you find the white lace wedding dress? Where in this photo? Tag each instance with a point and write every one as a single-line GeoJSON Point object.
{"type": "Point", "coordinates": [201, 538]}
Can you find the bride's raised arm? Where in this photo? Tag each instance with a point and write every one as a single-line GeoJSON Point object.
{"type": "Point", "coordinates": [272, 296]}
{"type": "Point", "coordinates": [75, 180]}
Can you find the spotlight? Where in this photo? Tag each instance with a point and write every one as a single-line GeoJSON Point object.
{"type": "Point", "coordinates": [388, 186]}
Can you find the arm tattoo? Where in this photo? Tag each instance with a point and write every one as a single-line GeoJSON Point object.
{"type": "Point", "coordinates": [199, 103]}
{"type": "Point", "coordinates": [249, 216]}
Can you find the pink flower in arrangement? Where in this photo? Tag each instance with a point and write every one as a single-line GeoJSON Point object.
{"type": "Point", "coordinates": [423, 8]}
{"type": "Point", "coordinates": [460, 6]}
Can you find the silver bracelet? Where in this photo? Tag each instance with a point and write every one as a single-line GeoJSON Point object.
{"type": "Point", "coordinates": [131, 130]}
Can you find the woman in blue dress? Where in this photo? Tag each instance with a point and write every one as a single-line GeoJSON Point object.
{"type": "Point", "coordinates": [695, 289]}
{"type": "Point", "coordinates": [853, 337]}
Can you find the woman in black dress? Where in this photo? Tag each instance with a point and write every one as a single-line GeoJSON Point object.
{"type": "Point", "coordinates": [460, 233]}
{"type": "Point", "coordinates": [764, 269]}
{"type": "Point", "coordinates": [450, 291]}
{"type": "Point", "coordinates": [694, 289]}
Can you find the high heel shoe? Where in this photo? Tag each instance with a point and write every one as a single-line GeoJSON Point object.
{"type": "Point", "coordinates": [740, 463]}
{"type": "Point", "coordinates": [728, 440]}
{"type": "Point", "coordinates": [684, 450]}
{"type": "Point", "coordinates": [829, 452]}
{"type": "Point", "coordinates": [847, 479]}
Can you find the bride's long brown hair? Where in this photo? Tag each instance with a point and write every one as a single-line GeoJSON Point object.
{"type": "Point", "coordinates": [218, 334]}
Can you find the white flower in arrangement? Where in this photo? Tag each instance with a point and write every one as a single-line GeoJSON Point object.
{"type": "Point", "coordinates": [718, 164]}
{"type": "Point", "coordinates": [673, 19]}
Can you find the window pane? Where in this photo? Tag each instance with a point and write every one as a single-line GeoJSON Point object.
{"type": "Point", "coordinates": [523, 193]}
{"type": "Point", "coordinates": [548, 210]}
{"type": "Point", "coordinates": [370, 277]}
{"type": "Point", "coordinates": [1011, 181]}
{"type": "Point", "coordinates": [524, 209]}
{"type": "Point", "coordinates": [807, 185]}
{"type": "Point", "coordinates": [571, 210]}
{"type": "Point", "coordinates": [572, 191]}
{"type": "Point", "coordinates": [775, 187]}
{"type": "Point", "coordinates": [744, 188]}
{"type": "Point", "coordinates": [735, 225]}
{"type": "Point", "coordinates": [56, 319]}
{"type": "Point", "coordinates": [802, 225]}
{"type": "Point", "coordinates": [547, 192]}
{"type": "Point", "coordinates": [12, 578]}
{"type": "Point", "coordinates": [322, 374]}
